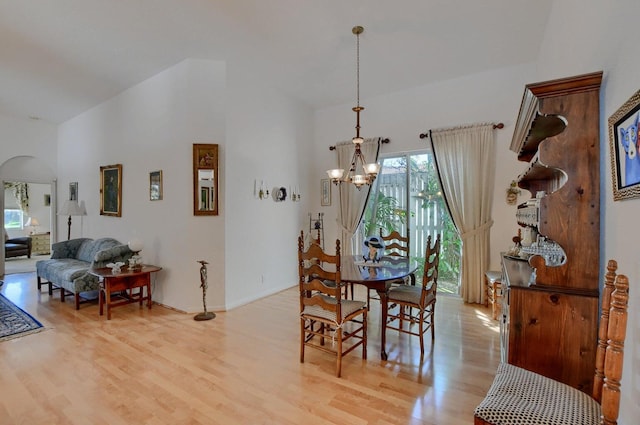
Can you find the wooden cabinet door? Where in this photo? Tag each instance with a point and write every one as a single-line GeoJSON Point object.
{"type": "Point", "coordinates": [554, 334]}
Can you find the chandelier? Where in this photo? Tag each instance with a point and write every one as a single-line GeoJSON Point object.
{"type": "Point", "coordinates": [370, 169]}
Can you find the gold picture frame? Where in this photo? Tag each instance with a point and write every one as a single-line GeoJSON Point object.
{"type": "Point", "coordinates": [111, 190]}
{"type": "Point", "coordinates": [625, 149]}
{"type": "Point", "coordinates": [205, 179]}
{"type": "Point", "coordinates": [155, 185]}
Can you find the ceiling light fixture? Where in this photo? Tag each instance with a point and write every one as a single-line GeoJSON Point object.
{"type": "Point", "coordinates": [370, 169]}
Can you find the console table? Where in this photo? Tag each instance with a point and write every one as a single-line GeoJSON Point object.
{"type": "Point", "coordinates": [117, 289]}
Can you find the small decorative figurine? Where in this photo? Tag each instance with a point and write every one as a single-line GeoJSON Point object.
{"type": "Point", "coordinates": [203, 284]}
{"type": "Point", "coordinates": [376, 249]}
{"type": "Point", "coordinates": [115, 267]}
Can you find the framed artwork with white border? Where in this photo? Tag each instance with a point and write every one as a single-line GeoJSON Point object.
{"type": "Point", "coordinates": [325, 192]}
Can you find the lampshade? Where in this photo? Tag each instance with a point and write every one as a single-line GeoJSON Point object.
{"type": "Point", "coordinates": [136, 245]}
{"type": "Point", "coordinates": [72, 208]}
{"type": "Point", "coordinates": [335, 174]}
{"type": "Point", "coordinates": [32, 221]}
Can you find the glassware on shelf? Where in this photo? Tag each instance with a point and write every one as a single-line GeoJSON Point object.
{"type": "Point", "coordinates": [551, 251]}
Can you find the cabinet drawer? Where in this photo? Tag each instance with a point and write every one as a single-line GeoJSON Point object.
{"type": "Point", "coordinates": [40, 244]}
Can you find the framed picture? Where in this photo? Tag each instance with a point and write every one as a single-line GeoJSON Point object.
{"type": "Point", "coordinates": [325, 192]}
{"type": "Point", "coordinates": [155, 185]}
{"type": "Point", "coordinates": [73, 191]}
{"type": "Point", "coordinates": [625, 149]}
{"type": "Point", "coordinates": [205, 179]}
{"type": "Point", "coordinates": [111, 190]}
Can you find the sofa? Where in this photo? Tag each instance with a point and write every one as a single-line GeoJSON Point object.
{"type": "Point", "coordinates": [68, 268]}
{"type": "Point", "coordinates": [16, 247]}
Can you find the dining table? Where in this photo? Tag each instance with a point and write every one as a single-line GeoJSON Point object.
{"type": "Point", "coordinates": [377, 276]}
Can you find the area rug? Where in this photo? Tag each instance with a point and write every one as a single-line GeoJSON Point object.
{"type": "Point", "coordinates": [15, 322]}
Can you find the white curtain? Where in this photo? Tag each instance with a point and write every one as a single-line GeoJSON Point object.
{"type": "Point", "coordinates": [352, 200]}
{"type": "Point", "coordinates": [465, 159]}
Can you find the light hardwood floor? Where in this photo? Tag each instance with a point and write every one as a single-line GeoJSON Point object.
{"type": "Point", "coordinates": [161, 367]}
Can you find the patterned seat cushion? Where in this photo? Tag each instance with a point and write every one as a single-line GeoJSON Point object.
{"type": "Point", "coordinates": [409, 294]}
{"type": "Point", "coordinates": [348, 307]}
{"type": "Point", "coordinates": [518, 396]}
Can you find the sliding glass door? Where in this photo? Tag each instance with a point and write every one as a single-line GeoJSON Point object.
{"type": "Point", "coordinates": [406, 197]}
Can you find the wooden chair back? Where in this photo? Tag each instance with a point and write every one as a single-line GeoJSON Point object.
{"type": "Point", "coordinates": [395, 244]}
{"type": "Point", "coordinates": [431, 264]}
{"type": "Point", "coordinates": [319, 277]}
{"type": "Point", "coordinates": [611, 336]}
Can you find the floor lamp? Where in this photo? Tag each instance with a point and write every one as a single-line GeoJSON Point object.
{"type": "Point", "coordinates": [71, 208]}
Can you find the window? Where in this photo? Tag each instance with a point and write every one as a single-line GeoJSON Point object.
{"type": "Point", "coordinates": [406, 197]}
{"type": "Point", "coordinates": [13, 219]}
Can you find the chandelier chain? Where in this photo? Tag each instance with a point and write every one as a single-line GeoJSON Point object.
{"type": "Point", "coordinates": [358, 69]}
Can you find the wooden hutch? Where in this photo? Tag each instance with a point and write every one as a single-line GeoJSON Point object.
{"type": "Point", "coordinates": [550, 312]}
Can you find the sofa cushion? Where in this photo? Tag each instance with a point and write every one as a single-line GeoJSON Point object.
{"type": "Point", "coordinates": [67, 249]}
{"type": "Point", "coordinates": [89, 249]}
{"type": "Point", "coordinates": [110, 253]}
{"type": "Point", "coordinates": [65, 269]}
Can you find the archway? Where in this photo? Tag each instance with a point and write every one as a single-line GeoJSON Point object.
{"type": "Point", "coordinates": [28, 169]}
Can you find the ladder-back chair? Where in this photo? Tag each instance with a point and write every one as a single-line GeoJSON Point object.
{"type": "Point", "coordinates": [518, 396]}
{"type": "Point", "coordinates": [404, 299]}
{"type": "Point", "coordinates": [327, 321]}
{"type": "Point", "coordinates": [395, 246]}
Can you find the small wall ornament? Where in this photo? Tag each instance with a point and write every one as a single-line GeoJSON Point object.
{"type": "Point", "coordinates": [512, 193]}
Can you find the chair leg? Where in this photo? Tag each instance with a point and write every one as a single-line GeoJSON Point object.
{"type": "Point", "coordinates": [339, 360]}
{"type": "Point", "coordinates": [364, 335]}
{"type": "Point", "coordinates": [303, 336]}
{"type": "Point", "coordinates": [77, 300]}
{"type": "Point", "coordinates": [421, 333]}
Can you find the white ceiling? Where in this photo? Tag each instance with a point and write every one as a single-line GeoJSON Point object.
{"type": "Point", "coordinates": [60, 58]}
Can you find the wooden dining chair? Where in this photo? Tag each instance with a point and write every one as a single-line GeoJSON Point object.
{"type": "Point", "coordinates": [410, 305]}
{"type": "Point", "coordinates": [328, 322]}
{"type": "Point", "coordinates": [395, 246]}
{"type": "Point", "coordinates": [518, 396]}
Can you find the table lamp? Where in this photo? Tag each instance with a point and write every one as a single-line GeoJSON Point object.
{"type": "Point", "coordinates": [33, 223]}
{"type": "Point", "coordinates": [135, 262]}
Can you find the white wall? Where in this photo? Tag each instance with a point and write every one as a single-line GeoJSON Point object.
{"type": "Point", "coordinates": [251, 245]}
{"type": "Point", "coordinates": [268, 137]}
{"type": "Point", "coordinates": [603, 36]}
{"type": "Point", "coordinates": [488, 97]}
{"type": "Point", "coordinates": [150, 127]}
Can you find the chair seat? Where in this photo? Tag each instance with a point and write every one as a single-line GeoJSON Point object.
{"type": "Point", "coordinates": [348, 307]}
{"type": "Point", "coordinates": [518, 396]}
{"type": "Point", "coordinates": [409, 294]}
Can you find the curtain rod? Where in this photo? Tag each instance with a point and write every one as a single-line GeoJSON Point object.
{"type": "Point", "coordinates": [333, 148]}
{"type": "Point", "coordinates": [498, 126]}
